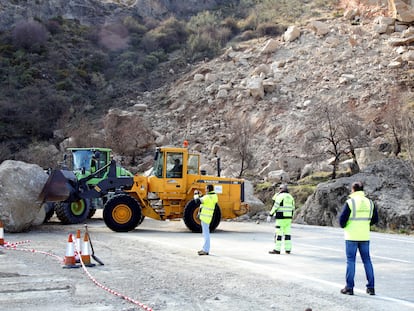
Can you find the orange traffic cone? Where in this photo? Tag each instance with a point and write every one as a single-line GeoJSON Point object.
{"type": "Point", "coordinates": [78, 246]}
{"type": "Point", "coordinates": [70, 261]}
{"type": "Point", "coordinates": [1, 234]}
{"type": "Point", "coordinates": [86, 253]}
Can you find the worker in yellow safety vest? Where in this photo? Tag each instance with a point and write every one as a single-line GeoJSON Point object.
{"type": "Point", "coordinates": [208, 203]}
{"type": "Point", "coordinates": [283, 207]}
{"type": "Point", "coordinates": [357, 216]}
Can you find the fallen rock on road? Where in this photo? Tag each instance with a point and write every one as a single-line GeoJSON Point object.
{"type": "Point", "coordinates": [20, 185]}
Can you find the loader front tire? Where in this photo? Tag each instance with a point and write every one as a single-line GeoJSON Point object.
{"type": "Point", "coordinates": [122, 213]}
{"type": "Point", "coordinates": [192, 221]}
{"type": "Point", "coordinates": [73, 212]}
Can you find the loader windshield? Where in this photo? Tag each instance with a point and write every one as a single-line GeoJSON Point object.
{"type": "Point", "coordinates": [82, 160]}
{"type": "Point", "coordinates": [158, 164]}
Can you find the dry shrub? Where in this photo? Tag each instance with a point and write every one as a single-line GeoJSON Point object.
{"type": "Point", "coordinates": [43, 154]}
{"type": "Point", "coordinates": [30, 35]}
{"type": "Point", "coordinates": [127, 134]}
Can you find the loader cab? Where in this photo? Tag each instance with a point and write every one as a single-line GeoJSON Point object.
{"type": "Point", "coordinates": [171, 169]}
{"type": "Point", "coordinates": [168, 164]}
{"type": "Point", "coordinates": [86, 161]}
{"type": "Point", "coordinates": [175, 163]}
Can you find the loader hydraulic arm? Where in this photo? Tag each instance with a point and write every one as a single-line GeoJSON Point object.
{"type": "Point", "coordinates": [112, 182]}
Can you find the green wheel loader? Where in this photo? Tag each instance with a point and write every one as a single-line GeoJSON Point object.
{"type": "Point", "coordinates": [82, 170]}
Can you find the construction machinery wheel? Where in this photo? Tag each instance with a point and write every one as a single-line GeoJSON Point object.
{"type": "Point", "coordinates": [192, 221]}
{"type": "Point", "coordinates": [73, 212]}
{"type": "Point", "coordinates": [122, 213]}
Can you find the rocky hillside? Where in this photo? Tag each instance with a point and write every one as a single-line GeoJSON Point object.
{"type": "Point", "coordinates": [99, 12]}
{"type": "Point", "coordinates": [276, 87]}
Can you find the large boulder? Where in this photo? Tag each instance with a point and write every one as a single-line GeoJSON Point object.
{"type": "Point", "coordinates": [387, 182]}
{"type": "Point", "coordinates": [255, 204]}
{"type": "Point", "coordinates": [20, 186]}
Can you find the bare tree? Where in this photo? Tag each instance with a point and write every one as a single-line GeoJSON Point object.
{"type": "Point", "coordinates": [354, 136]}
{"type": "Point", "coordinates": [241, 142]}
{"type": "Point", "coordinates": [408, 127]}
{"type": "Point", "coordinates": [336, 133]}
{"type": "Point", "coordinates": [334, 139]}
{"type": "Point", "coordinates": [393, 116]}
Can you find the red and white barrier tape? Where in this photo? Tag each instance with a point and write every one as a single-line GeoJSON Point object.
{"type": "Point", "coordinates": [14, 246]}
{"type": "Point", "coordinates": [136, 302]}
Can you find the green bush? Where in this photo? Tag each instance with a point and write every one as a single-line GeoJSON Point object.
{"type": "Point", "coordinates": [150, 62]}
{"type": "Point", "coordinates": [249, 23]}
{"type": "Point", "coordinates": [202, 45]}
{"type": "Point", "coordinates": [169, 36]}
{"type": "Point", "coordinates": [134, 26]}
{"type": "Point", "coordinates": [231, 24]}
{"type": "Point", "coordinates": [64, 85]}
{"type": "Point", "coordinates": [124, 68]}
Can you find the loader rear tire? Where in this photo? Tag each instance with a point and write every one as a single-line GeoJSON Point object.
{"type": "Point", "coordinates": [73, 212]}
{"type": "Point", "coordinates": [192, 221]}
{"type": "Point", "coordinates": [122, 213]}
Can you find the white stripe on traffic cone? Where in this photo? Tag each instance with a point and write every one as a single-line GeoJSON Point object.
{"type": "Point", "coordinates": [1, 233]}
{"type": "Point", "coordinates": [78, 245]}
{"type": "Point", "coordinates": [70, 261]}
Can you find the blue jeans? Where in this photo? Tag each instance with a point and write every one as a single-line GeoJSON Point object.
{"type": "Point", "coordinates": [351, 248]}
{"type": "Point", "coordinates": [206, 235]}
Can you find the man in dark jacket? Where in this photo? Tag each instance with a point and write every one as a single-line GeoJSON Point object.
{"type": "Point", "coordinates": [358, 214]}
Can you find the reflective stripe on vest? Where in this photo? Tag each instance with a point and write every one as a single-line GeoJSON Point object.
{"type": "Point", "coordinates": [207, 207]}
{"type": "Point", "coordinates": [353, 215]}
{"type": "Point", "coordinates": [358, 225]}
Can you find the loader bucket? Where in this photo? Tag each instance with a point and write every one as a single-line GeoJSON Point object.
{"type": "Point", "coordinates": [60, 186]}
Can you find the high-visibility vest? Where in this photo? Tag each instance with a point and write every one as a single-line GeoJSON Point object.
{"type": "Point", "coordinates": [357, 227]}
{"type": "Point", "coordinates": [284, 205]}
{"type": "Point", "coordinates": [208, 204]}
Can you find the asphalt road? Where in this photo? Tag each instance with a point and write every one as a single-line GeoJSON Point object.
{"type": "Point", "coordinates": [157, 266]}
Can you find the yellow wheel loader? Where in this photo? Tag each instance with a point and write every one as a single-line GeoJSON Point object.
{"type": "Point", "coordinates": [166, 193]}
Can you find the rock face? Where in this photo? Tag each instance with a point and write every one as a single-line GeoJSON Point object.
{"type": "Point", "coordinates": [20, 185]}
{"type": "Point", "coordinates": [386, 182]}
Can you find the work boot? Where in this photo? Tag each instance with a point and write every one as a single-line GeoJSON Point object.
{"type": "Point", "coordinates": [370, 291]}
{"type": "Point", "coordinates": [347, 291]}
{"type": "Point", "coordinates": [273, 251]}
{"type": "Point", "coordinates": [201, 253]}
